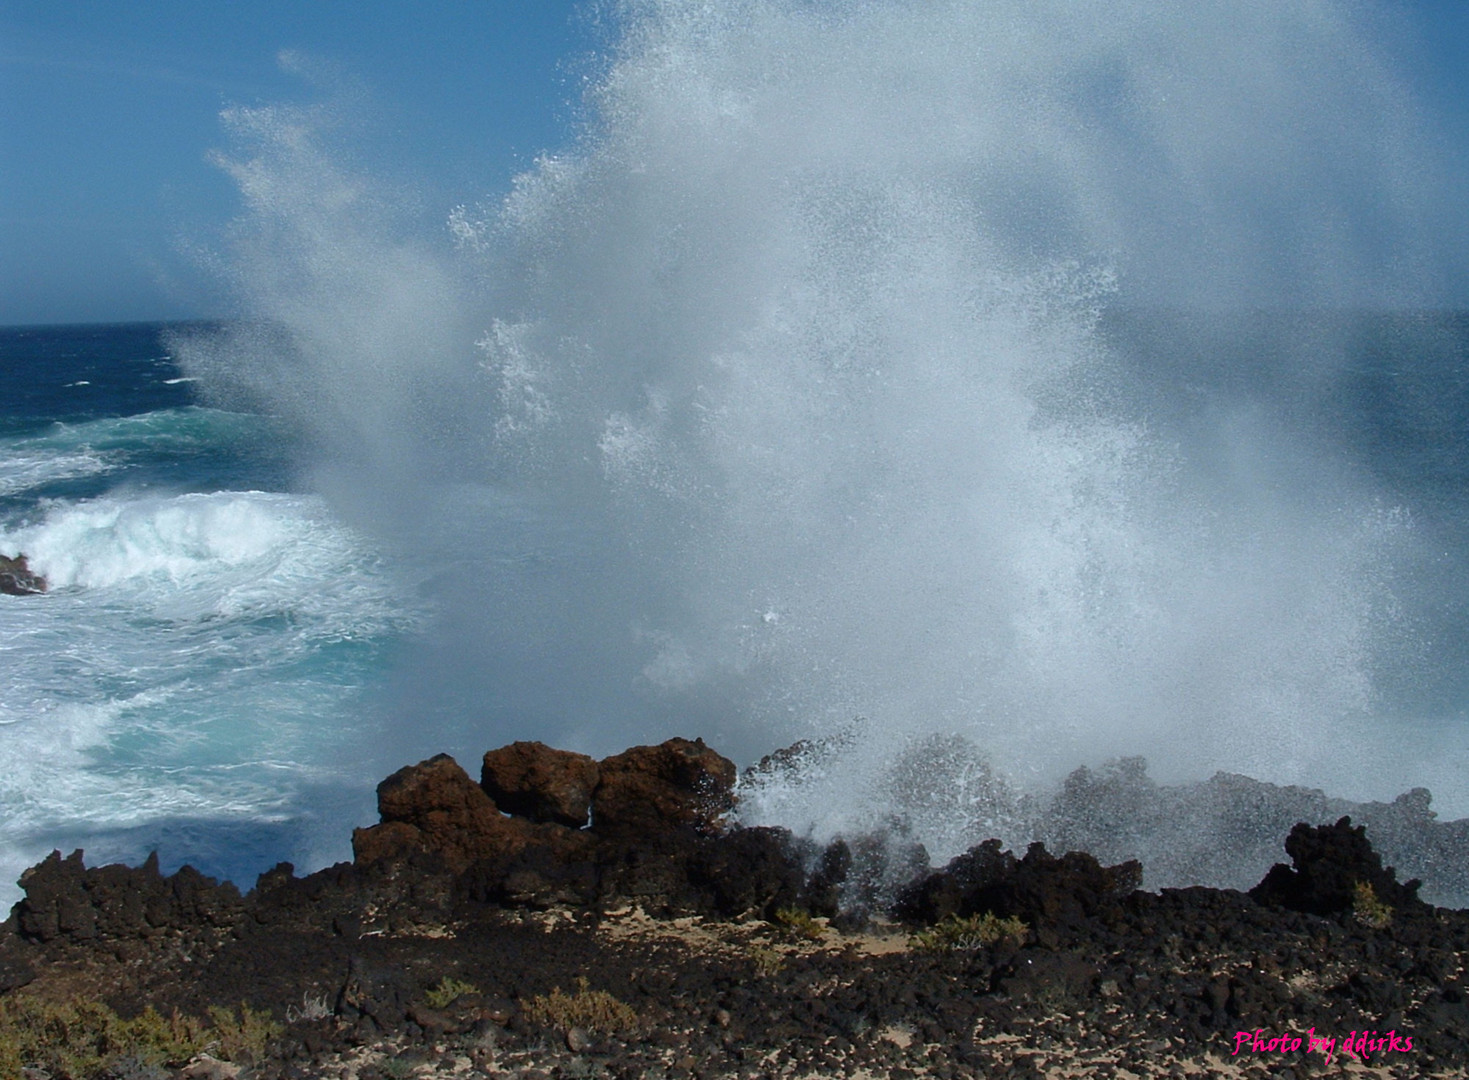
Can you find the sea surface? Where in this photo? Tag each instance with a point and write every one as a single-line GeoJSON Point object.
{"type": "Point", "coordinates": [194, 680]}
{"type": "Point", "coordinates": [206, 676]}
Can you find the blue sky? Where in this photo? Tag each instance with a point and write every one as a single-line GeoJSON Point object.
{"type": "Point", "coordinates": [109, 108]}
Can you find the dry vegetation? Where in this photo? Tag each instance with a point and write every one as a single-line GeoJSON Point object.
{"type": "Point", "coordinates": [83, 1040]}
{"type": "Point", "coordinates": [954, 934]}
{"type": "Point", "coordinates": [594, 1010]}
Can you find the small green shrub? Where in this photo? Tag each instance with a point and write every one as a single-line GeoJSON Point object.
{"type": "Point", "coordinates": [83, 1040]}
{"type": "Point", "coordinates": [244, 1039]}
{"type": "Point", "coordinates": [448, 991]}
{"type": "Point", "coordinates": [1367, 909]}
{"type": "Point", "coordinates": [954, 934]}
{"type": "Point", "coordinates": [595, 1010]}
{"type": "Point", "coordinates": [800, 923]}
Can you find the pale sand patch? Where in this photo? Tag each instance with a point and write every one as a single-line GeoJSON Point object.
{"type": "Point", "coordinates": [1055, 1063]}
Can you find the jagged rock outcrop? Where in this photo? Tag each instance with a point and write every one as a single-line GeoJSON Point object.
{"type": "Point", "coordinates": [520, 837]}
{"type": "Point", "coordinates": [1068, 895]}
{"type": "Point", "coordinates": [435, 807]}
{"type": "Point", "coordinates": [18, 579]}
{"type": "Point", "coordinates": [657, 838]}
{"type": "Point", "coordinates": [1328, 864]}
{"type": "Point", "coordinates": [65, 899]}
{"type": "Point", "coordinates": [369, 947]}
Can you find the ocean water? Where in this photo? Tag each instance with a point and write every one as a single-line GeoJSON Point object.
{"type": "Point", "coordinates": [1072, 380]}
{"type": "Point", "coordinates": [194, 679]}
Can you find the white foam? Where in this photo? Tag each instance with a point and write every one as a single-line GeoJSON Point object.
{"type": "Point", "coordinates": [108, 541]}
{"type": "Point", "coordinates": [22, 472]}
{"type": "Point", "coordinates": [24, 465]}
{"type": "Point", "coordinates": [197, 658]}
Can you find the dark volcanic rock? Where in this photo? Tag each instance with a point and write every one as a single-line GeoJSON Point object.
{"type": "Point", "coordinates": [557, 866]}
{"type": "Point", "coordinates": [855, 878]}
{"type": "Point", "coordinates": [651, 789]}
{"type": "Point", "coordinates": [15, 972]}
{"type": "Point", "coordinates": [532, 780]}
{"type": "Point", "coordinates": [1115, 978]}
{"type": "Point", "coordinates": [377, 993]}
{"type": "Point", "coordinates": [1066, 896]}
{"type": "Point", "coordinates": [740, 873]}
{"type": "Point", "coordinates": [18, 579]}
{"type": "Point", "coordinates": [652, 807]}
{"type": "Point", "coordinates": [831, 872]}
{"type": "Point", "coordinates": [66, 900]}
{"type": "Point", "coordinates": [1329, 863]}
{"type": "Point", "coordinates": [749, 872]}
{"type": "Point", "coordinates": [385, 841]}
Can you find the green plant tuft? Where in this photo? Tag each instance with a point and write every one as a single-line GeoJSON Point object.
{"type": "Point", "coordinates": [1367, 909]}
{"type": "Point", "coordinates": [953, 934]}
{"type": "Point", "coordinates": [242, 1039]}
{"type": "Point", "coordinates": [448, 991]}
{"type": "Point", "coordinates": [799, 922]}
{"type": "Point", "coordinates": [595, 1010]}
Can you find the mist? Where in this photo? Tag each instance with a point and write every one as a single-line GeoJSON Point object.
{"type": "Point", "coordinates": [790, 400]}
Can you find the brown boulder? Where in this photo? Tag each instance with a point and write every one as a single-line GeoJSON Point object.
{"type": "Point", "coordinates": [391, 840]}
{"type": "Point", "coordinates": [18, 579]}
{"type": "Point", "coordinates": [533, 780]}
{"type": "Point", "coordinates": [654, 789]}
{"type": "Point", "coordinates": [434, 806]}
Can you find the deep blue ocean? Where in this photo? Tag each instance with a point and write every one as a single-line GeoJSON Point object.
{"type": "Point", "coordinates": [205, 675]}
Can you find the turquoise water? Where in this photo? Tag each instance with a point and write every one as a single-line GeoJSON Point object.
{"type": "Point", "coordinates": [199, 677]}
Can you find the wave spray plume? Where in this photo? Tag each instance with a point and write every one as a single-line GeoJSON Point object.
{"type": "Point", "coordinates": [785, 397]}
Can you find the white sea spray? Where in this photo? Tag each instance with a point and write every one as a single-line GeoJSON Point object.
{"type": "Point", "coordinates": [781, 397]}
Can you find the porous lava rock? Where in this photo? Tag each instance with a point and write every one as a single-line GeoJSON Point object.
{"type": "Point", "coordinates": [1128, 980]}
{"type": "Point", "coordinates": [520, 838]}
{"type": "Point", "coordinates": [739, 873]}
{"type": "Point", "coordinates": [435, 807]}
{"type": "Point", "coordinates": [66, 900]}
{"type": "Point", "coordinates": [18, 579]}
{"type": "Point", "coordinates": [1062, 898]}
{"type": "Point", "coordinates": [673, 785]}
{"type": "Point", "coordinates": [1328, 863]}
{"type": "Point", "coordinates": [532, 780]}
{"type": "Point", "coordinates": [557, 866]}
